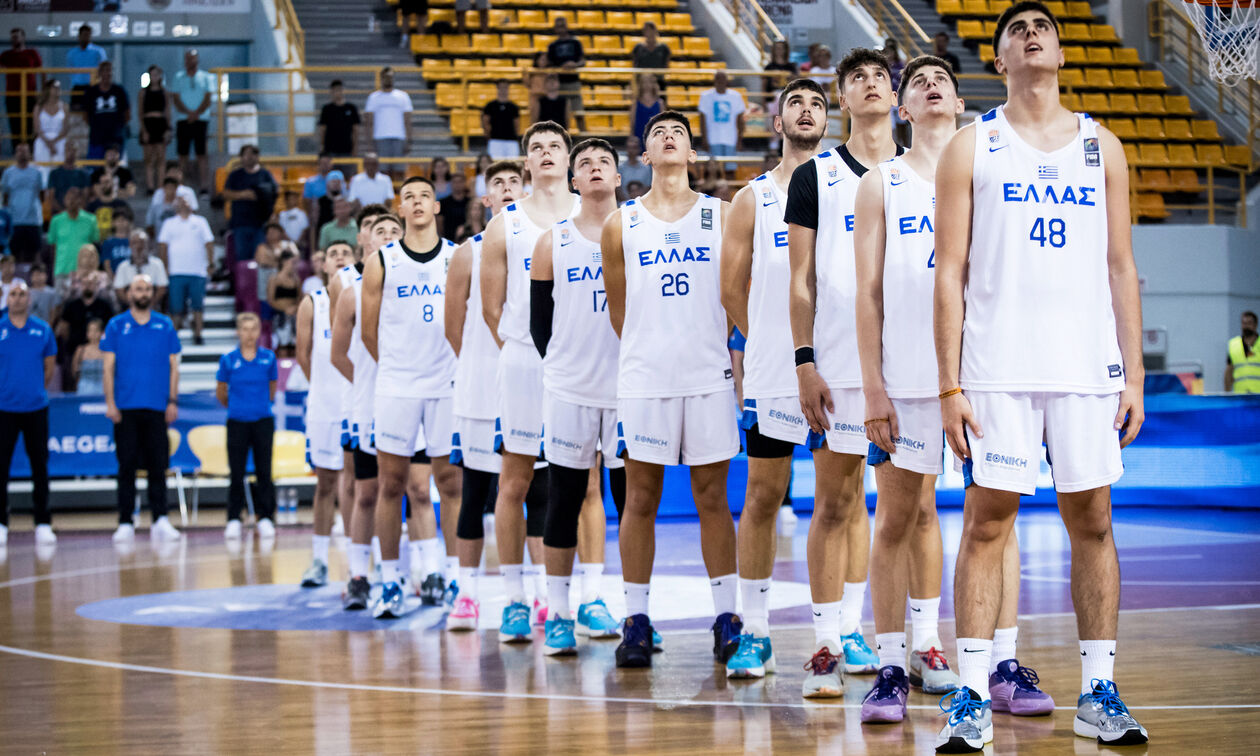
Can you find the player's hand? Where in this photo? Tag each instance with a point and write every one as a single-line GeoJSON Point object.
{"type": "Point", "coordinates": [815, 397]}
{"type": "Point", "coordinates": [113, 414]}
{"type": "Point", "coordinates": [172, 412]}
{"type": "Point", "coordinates": [1131, 414]}
{"type": "Point", "coordinates": [881, 432]}
{"type": "Point", "coordinates": [957, 416]}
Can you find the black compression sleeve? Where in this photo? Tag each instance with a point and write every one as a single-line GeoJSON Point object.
{"type": "Point", "coordinates": [566, 492]}
{"type": "Point", "coordinates": [536, 505]}
{"type": "Point", "coordinates": [617, 479]}
{"type": "Point", "coordinates": [541, 309]}
{"type": "Point", "coordinates": [802, 200]}
{"type": "Point", "coordinates": [479, 488]}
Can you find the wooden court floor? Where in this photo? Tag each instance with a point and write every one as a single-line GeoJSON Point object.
{"type": "Point", "coordinates": [71, 682]}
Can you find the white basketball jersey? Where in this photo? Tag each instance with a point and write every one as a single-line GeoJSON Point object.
{"type": "Point", "coordinates": [363, 394]}
{"type": "Point", "coordinates": [323, 400]}
{"type": "Point", "coordinates": [1038, 298]}
{"type": "Point", "coordinates": [909, 356]}
{"type": "Point", "coordinates": [521, 235]}
{"type": "Point", "coordinates": [835, 303]}
{"type": "Point", "coordinates": [347, 275]}
{"type": "Point", "coordinates": [478, 353]}
{"type": "Point", "coordinates": [581, 362]}
{"type": "Point", "coordinates": [769, 366]}
{"type": "Point", "coordinates": [416, 361]}
{"type": "Point", "coordinates": [673, 339]}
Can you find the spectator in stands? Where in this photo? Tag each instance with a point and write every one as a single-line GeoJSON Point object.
{"type": "Point", "coordinates": [116, 249]}
{"type": "Point", "coordinates": [635, 189]}
{"type": "Point", "coordinates": [187, 244]}
{"type": "Point", "coordinates": [713, 180]}
{"type": "Point", "coordinates": [535, 80]}
{"type": "Point", "coordinates": [51, 126]}
{"type": "Point", "coordinates": [479, 182]}
{"type": "Point", "coordinates": [315, 280]}
{"type": "Point", "coordinates": [141, 398]}
{"type": "Point", "coordinates": [88, 266]}
{"type": "Point", "coordinates": [88, 363]}
{"type": "Point", "coordinates": [565, 51]}
{"type": "Point", "coordinates": [155, 127]}
{"type": "Point", "coordinates": [192, 92]}
{"type": "Point", "coordinates": [22, 185]}
{"type": "Point", "coordinates": [940, 48]}
{"type": "Point", "coordinates": [371, 187]}
{"type": "Point", "coordinates": [246, 385]}
{"type": "Point", "coordinates": [294, 219]}
{"type": "Point", "coordinates": [141, 263]}
{"type": "Point", "coordinates": [342, 226]}
{"type": "Point", "coordinates": [45, 304]}
{"type": "Point", "coordinates": [324, 205]}
{"type": "Point", "coordinates": [173, 171]}
{"type": "Point", "coordinates": [66, 176]}
{"type": "Point", "coordinates": [460, 219]}
{"type": "Point", "coordinates": [820, 69]}
{"type": "Point", "coordinates": [8, 277]}
{"type": "Point", "coordinates": [440, 176]}
{"type": "Point", "coordinates": [1242, 362]}
{"type": "Point", "coordinates": [461, 14]}
{"type": "Point", "coordinates": [86, 54]}
{"type": "Point", "coordinates": [722, 119]}
{"type": "Point", "coordinates": [633, 168]}
{"type": "Point", "coordinates": [781, 60]}
{"type": "Point", "coordinates": [551, 106]}
{"type": "Point", "coordinates": [651, 52]}
{"type": "Point", "coordinates": [163, 204]}
{"type": "Point", "coordinates": [20, 107]}
{"type": "Point", "coordinates": [647, 103]}
{"type": "Point", "coordinates": [71, 330]}
{"type": "Point", "coordinates": [68, 231]}
{"type": "Point", "coordinates": [268, 254]}
{"type": "Point", "coordinates": [501, 122]}
{"type": "Point", "coordinates": [314, 188]}
{"type": "Point", "coordinates": [415, 15]}
{"type": "Point", "coordinates": [108, 112]}
{"type": "Point", "coordinates": [895, 64]}
{"type": "Point", "coordinates": [124, 180]}
{"type": "Point", "coordinates": [338, 123]}
{"type": "Point", "coordinates": [27, 354]}
{"type": "Point", "coordinates": [106, 204]}
{"type": "Point", "coordinates": [284, 293]}
{"type": "Point", "coordinates": [388, 116]}
{"type": "Point", "coordinates": [252, 191]}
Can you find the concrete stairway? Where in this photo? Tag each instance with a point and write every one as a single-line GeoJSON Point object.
{"type": "Point", "coordinates": [980, 95]}
{"type": "Point", "coordinates": [198, 364]}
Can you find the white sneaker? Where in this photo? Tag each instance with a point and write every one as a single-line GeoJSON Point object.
{"type": "Point", "coordinates": [126, 533]}
{"type": "Point", "coordinates": [233, 530]}
{"type": "Point", "coordinates": [163, 530]}
{"type": "Point", "coordinates": [44, 535]}
{"type": "Point", "coordinates": [339, 526]}
{"type": "Point", "coordinates": [266, 529]}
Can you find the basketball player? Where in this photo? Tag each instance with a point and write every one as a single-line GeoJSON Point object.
{"type": "Point", "coordinates": [507, 249]}
{"type": "Point", "coordinates": [895, 259]}
{"type": "Point", "coordinates": [819, 215]}
{"type": "Point", "coordinates": [323, 402]}
{"type": "Point", "coordinates": [755, 279]}
{"type": "Point", "coordinates": [402, 329]}
{"type": "Point", "coordinates": [1038, 335]}
{"type": "Point", "coordinates": [675, 394]}
{"type": "Point", "coordinates": [569, 325]}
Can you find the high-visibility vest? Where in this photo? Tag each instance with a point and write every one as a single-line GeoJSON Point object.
{"type": "Point", "coordinates": [1246, 367]}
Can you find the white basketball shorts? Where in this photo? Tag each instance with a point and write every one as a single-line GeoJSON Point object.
{"type": "Point", "coordinates": [573, 433]}
{"type": "Point", "coordinates": [780, 418]}
{"type": "Point", "coordinates": [688, 430]}
{"type": "Point", "coordinates": [473, 445]}
{"type": "Point", "coordinates": [404, 426]}
{"type": "Point", "coordinates": [846, 431]}
{"type": "Point", "coordinates": [323, 444]}
{"type": "Point", "coordinates": [920, 438]}
{"type": "Point", "coordinates": [520, 386]}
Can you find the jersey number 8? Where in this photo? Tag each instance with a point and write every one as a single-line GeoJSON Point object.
{"type": "Point", "coordinates": [674, 285]}
{"type": "Point", "coordinates": [428, 313]}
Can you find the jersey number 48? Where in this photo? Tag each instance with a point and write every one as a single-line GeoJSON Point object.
{"type": "Point", "coordinates": [1052, 230]}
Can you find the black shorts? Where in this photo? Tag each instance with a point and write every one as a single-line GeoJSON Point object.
{"type": "Point", "coordinates": [154, 131]}
{"type": "Point", "coordinates": [764, 447]}
{"type": "Point", "coordinates": [190, 135]}
{"type": "Point", "coordinates": [364, 465]}
{"type": "Point", "coordinates": [420, 458]}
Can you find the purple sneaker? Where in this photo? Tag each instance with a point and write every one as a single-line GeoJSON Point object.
{"type": "Point", "coordinates": [1014, 689]}
{"type": "Point", "coordinates": [887, 700]}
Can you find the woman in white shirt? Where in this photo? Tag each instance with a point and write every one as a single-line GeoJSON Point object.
{"type": "Point", "coordinates": [50, 127]}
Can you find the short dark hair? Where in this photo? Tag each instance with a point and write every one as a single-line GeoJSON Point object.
{"type": "Point", "coordinates": [369, 211]}
{"type": "Point", "coordinates": [272, 225]}
{"type": "Point", "coordinates": [799, 84]}
{"type": "Point", "coordinates": [323, 154]}
{"type": "Point", "coordinates": [416, 180]}
{"type": "Point", "coordinates": [170, 180]}
{"type": "Point", "coordinates": [858, 57]}
{"type": "Point", "coordinates": [593, 143]}
{"type": "Point", "coordinates": [668, 115]}
{"type": "Point", "coordinates": [1027, 5]}
{"type": "Point", "coordinates": [1246, 313]}
{"type": "Point", "coordinates": [546, 127]}
{"type": "Point", "coordinates": [38, 267]}
{"type": "Point", "coordinates": [924, 61]}
{"type": "Point", "coordinates": [249, 148]}
{"type": "Point", "coordinates": [390, 217]}
{"type": "Point", "coordinates": [335, 83]}
{"type": "Point", "coordinates": [504, 166]}
{"type": "Point", "coordinates": [387, 69]}
{"type": "Point", "coordinates": [339, 243]}
{"type": "Point", "coordinates": [649, 24]}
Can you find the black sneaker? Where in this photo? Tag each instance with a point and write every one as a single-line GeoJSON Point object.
{"type": "Point", "coordinates": [726, 630]}
{"type": "Point", "coordinates": [636, 642]}
{"type": "Point", "coordinates": [432, 589]}
{"type": "Point", "coordinates": [356, 595]}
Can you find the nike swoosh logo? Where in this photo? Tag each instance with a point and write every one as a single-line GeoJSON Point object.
{"type": "Point", "coordinates": [972, 650]}
{"type": "Point", "coordinates": [915, 609]}
{"type": "Point", "coordinates": [565, 244]}
{"type": "Point", "coordinates": [768, 204]}
{"type": "Point", "coordinates": [634, 225]}
{"type": "Point", "coordinates": [897, 183]}
{"type": "Point", "coordinates": [1082, 653]}
{"type": "Point", "coordinates": [1113, 653]}
{"type": "Point", "coordinates": [833, 183]}
{"type": "Point", "coordinates": [995, 149]}
{"type": "Point", "coordinates": [763, 590]}
{"type": "Point", "coordinates": [817, 614]}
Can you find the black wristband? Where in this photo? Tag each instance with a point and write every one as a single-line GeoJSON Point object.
{"type": "Point", "coordinates": [804, 356]}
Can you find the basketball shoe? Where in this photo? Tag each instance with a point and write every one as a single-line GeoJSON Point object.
{"type": "Point", "coordinates": [357, 594]}
{"type": "Point", "coordinates": [858, 657]}
{"type": "Point", "coordinates": [594, 621]}
{"type": "Point", "coordinates": [825, 678]}
{"type": "Point", "coordinates": [515, 626]}
{"type": "Point", "coordinates": [886, 701]}
{"type": "Point", "coordinates": [560, 640]}
{"type": "Point", "coordinates": [753, 658]}
{"type": "Point", "coordinates": [432, 589]}
{"type": "Point", "coordinates": [969, 724]}
{"type": "Point", "coordinates": [316, 575]}
{"type": "Point", "coordinates": [635, 649]}
{"type": "Point", "coordinates": [1014, 689]}
{"type": "Point", "coordinates": [465, 614]}
{"type": "Point", "coordinates": [929, 671]}
{"type": "Point", "coordinates": [391, 603]}
{"type": "Point", "coordinates": [726, 631]}
{"type": "Point", "coordinates": [1100, 714]}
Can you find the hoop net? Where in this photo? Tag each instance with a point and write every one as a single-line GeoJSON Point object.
{"type": "Point", "coordinates": [1230, 30]}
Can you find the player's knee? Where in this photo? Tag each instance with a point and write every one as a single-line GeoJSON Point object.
{"type": "Point", "coordinates": [1092, 522]}
{"type": "Point", "coordinates": [762, 501]}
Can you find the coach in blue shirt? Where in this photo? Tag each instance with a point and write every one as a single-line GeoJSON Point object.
{"type": "Point", "coordinates": [27, 352]}
{"type": "Point", "coordinates": [141, 388]}
{"type": "Point", "coordinates": [247, 386]}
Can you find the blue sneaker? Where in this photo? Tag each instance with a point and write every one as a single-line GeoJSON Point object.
{"type": "Point", "coordinates": [1100, 714]}
{"type": "Point", "coordinates": [515, 627]}
{"type": "Point", "coordinates": [726, 630]}
{"type": "Point", "coordinates": [658, 643]}
{"type": "Point", "coordinates": [560, 640]}
{"type": "Point", "coordinates": [635, 649]}
{"type": "Point", "coordinates": [969, 724]}
{"type": "Point", "coordinates": [390, 603]}
{"type": "Point", "coordinates": [753, 658]}
{"type": "Point", "coordinates": [858, 657]}
{"type": "Point", "coordinates": [594, 621]}
{"type": "Point", "coordinates": [451, 594]}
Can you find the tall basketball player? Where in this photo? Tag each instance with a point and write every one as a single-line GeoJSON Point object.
{"type": "Point", "coordinates": [755, 278]}
{"type": "Point", "coordinates": [403, 313]}
{"type": "Point", "coordinates": [895, 257]}
{"type": "Point", "coordinates": [819, 215]}
{"type": "Point", "coordinates": [569, 325]}
{"type": "Point", "coordinates": [323, 403]}
{"type": "Point", "coordinates": [675, 393]}
{"type": "Point", "coordinates": [507, 250]}
{"type": "Point", "coordinates": [1038, 334]}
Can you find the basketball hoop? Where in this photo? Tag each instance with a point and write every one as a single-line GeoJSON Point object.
{"type": "Point", "coordinates": [1230, 30]}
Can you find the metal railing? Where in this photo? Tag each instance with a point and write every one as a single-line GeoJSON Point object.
{"type": "Point", "coordinates": [751, 19]}
{"type": "Point", "coordinates": [896, 22]}
{"type": "Point", "coordinates": [295, 38]}
{"type": "Point", "coordinates": [27, 97]}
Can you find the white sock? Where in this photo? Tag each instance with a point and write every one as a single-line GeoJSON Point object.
{"type": "Point", "coordinates": [468, 582]}
{"type": "Point", "coordinates": [538, 577]}
{"type": "Point", "coordinates": [450, 569]}
{"type": "Point", "coordinates": [514, 582]}
{"type": "Point", "coordinates": [431, 555]}
{"type": "Point", "coordinates": [851, 607]}
{"type": "Point", "coordinates": [892, 649]}
{"type": "Point", "coordinates": [1003, 646]}
{"type": "Point", "coordinates": [319, 548]}
{"type": "Point", "coordinates": [1098, 662]}
{"type": "Point", "coordinates": [826, 621]}
{"type": "Point", "coordinates": [558, 596]}
{"type": "Point", "coordinates": [756, 596]}
{"type": "Point", "coordinates": [359, 556]}
{"type": "Point", "coordinates": [636, 598]}
{"type": "Point", "coordinates": [376, 550]}
{"type": "Point", "coordinates": [391, 572]}
{"type": "Point", "coordinates": [925, 616]}
{"type": "Point", "coordinates": [408, 555]}
{"type": "Point", "coordinates": [973, 664]}
{"type": "Point", "coordinates": [725, 593]}
{"type": "Point", "coordinates": [592, 575]}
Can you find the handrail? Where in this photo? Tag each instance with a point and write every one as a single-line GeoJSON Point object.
{"type": "Point", "coordinates": [765, 33]}
{"type": "Point", "coordinates": [295, 37]}
{"type": "Point", "coordinates": [896, 22]}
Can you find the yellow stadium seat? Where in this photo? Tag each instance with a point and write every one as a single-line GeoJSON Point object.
{"type": "Point", "coordinates": [1210, 154]}
{"type": "Point", "coordinates": [1071, 77]}
{"type": "Point", "coordinates": [654, 16]}
{"type": "Point", "coordinates": [1099, 78]}
{"type": "Point", "coordinates": [1075, 33]}
{"type": "Point", "coordinates": [620, 21]}
{"type": "Point", "coordinates": [1150, 128]}
{"type": "Point", "coordinates": [1185, 180]}
{"type": "Point", "coordinates": [679, 23]}
{"type": "Point", "coordinates": [971, 29]}
{"type": "Point", "coordinates": [1125, 78]}
{"type": "Point", "coordinates": [532, 19]}
{"type": "Point", "coordinates": [1126, 56]}
{"type": "Point", "coordinates": [453, 44]}
{"type": "Point", "coordinates": [1073, 55]}
{"type": "Point", "coordinates": [1151, 205]}
{"type": "Point", "coordinates": [1123, 128]}
{"type": "Point", "coordinates": [541, 41]}
{"type": "Point", "coordinates": [448, 95]}
{"type": "Point", "coordinates": [1130, 153]}
{"type": "Point", "coordinates": [1153, 154]}
{"type": "Point", "coordinates": [1079, 9]}
{"type": "Point", "coordinates": [1072, 102]}
{"type": "Point", "coordinates": [487, 43]}
{"type": "Point", "coordinates": [1104, 33]}
{"type": "Point", "coordinates": [1207, 131]}
{"type": "Point", "coordinates": [621, 123]}
{"type": "Point", "coordinates": [1182, 154]}
{"type": "Point", "coordinates": [1058, 8]}
{"type": "Point", "coordinates": [1095, 103]}
{"type": "Point", "coordinates": [1178, 129]}
{"type": "Point", "coordinates": [607, 44]}
{"type": "Point", "coordinates": [1153, 80]}
{"type": "Point", "coordinates": [697, 46]}
{"type": "Point", "coordinates": [590, 19]}
{"type": "Point", "coordinates": [949, 7]}
{"type": "Point", "coordinates": [1099, 56]}
{"type": "Point", "coordinates": [1150, 104]}
{"type": "Point", "coordinates": [1238, 154]}
{"type": "Point", "coordinates": [568, 15]}
{"type": "Point", "coordinates": [517, 44]}
{"type": "Point", "coordinates": [1154, 180]}
{"type": "Point", "coordinates": [1124, 103]}
{"type": "Point", "coordinates": [442, 16]}
{"type": "Point", "coordinates": [1178, 105]}
{"type": "Point", "coordinates": [975, 7]}
{"type": "Point", "coordinates": [425, 44]}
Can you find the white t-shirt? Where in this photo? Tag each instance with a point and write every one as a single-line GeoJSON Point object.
{"type": "Point", "coordinates": [185, 240]}
{"type": "Point", "coordinates": [370, 190]}
{"type": "Point", "coordinates": [720, 111]}
{"type": "Point", "coordinates": [294, 222]}
{"type": "Point", "coordinates": [388, 110]}
{"type": "Point", "coordinates": [180, 191]}
{"type": "Point", "coordinates": [127, 272]}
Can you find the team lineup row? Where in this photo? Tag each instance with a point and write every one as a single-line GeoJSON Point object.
{"type": "Point", "coordinates": [879, 328]}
